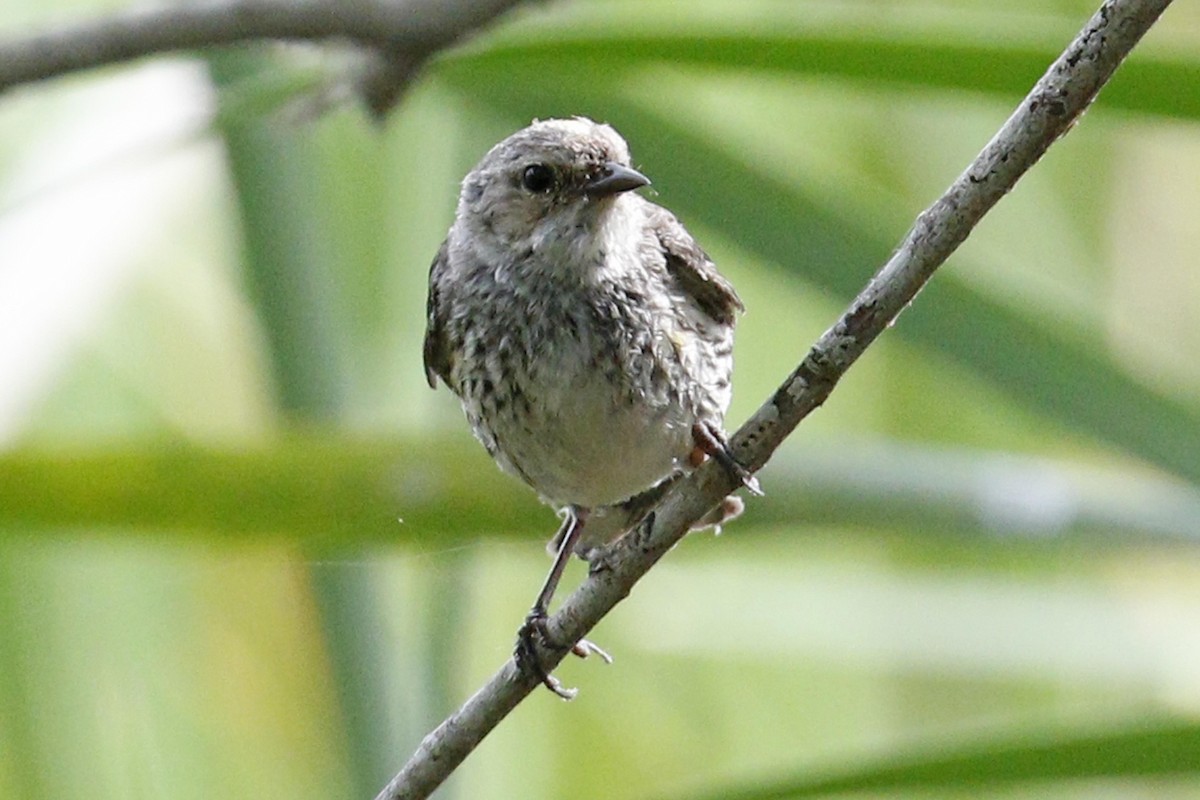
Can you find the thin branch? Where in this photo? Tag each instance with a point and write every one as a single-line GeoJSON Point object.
{"type": "Point", "coordinates": [401, 35]}
{"type": "Point", "coordinates": [1054, 104]}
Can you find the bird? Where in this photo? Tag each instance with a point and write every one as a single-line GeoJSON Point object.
{"type": "Point", "coordinates": [587, 335]}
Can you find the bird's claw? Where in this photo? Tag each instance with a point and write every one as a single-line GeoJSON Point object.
{"type": "Point", "coordinates": [584, 648]}
{"type": "Point", "coordinates": [528, 659]}
{"type": "Point", "coordinates": [712, 443]}
{"type": "Point", "coordinates": [746, 477]}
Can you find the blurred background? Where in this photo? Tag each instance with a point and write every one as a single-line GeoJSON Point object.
{"type": "Point", "coordinates": [246, 552]}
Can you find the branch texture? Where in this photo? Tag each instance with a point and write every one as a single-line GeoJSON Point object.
{"type": "Point", "coordinates": [401, 34]}
{"type": "Point", "coordinates": [1046, 113]}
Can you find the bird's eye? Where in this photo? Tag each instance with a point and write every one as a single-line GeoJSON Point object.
{"type": "Point", "coordinates": [538, 178]}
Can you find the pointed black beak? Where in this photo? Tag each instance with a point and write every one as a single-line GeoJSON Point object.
{"type": "Point", "coordinates": [614, 179]}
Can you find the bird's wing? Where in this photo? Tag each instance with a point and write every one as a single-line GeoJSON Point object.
{"type": "Point", "coordinates": [437, 351]}
{"type": "Point", "coordinates": [694, 271]}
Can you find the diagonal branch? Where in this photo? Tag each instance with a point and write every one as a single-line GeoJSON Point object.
{"type": "Point", "coordinates": [1047, 112]}
{"type": "Point", "coordinates": [401, 35]}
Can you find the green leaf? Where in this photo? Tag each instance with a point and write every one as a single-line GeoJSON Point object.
{"type": "Point", "coordinates": [310, 489]}
{"type": "Point", "coordinates": [1152, 749]}
{"type": "Point", "coordinates": [988, 52]}
{"type": "Point", "coordinates": [323, 490]}
{"type": "Point", "coordinates": [287, 254]}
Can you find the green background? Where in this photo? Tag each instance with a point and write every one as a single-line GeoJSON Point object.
{"type": "Point", "coordinates": [245, 552]}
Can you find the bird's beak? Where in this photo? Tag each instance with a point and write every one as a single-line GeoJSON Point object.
{"type": "Point", "coordinates": [614, 179]}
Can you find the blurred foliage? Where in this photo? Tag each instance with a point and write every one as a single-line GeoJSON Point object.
{"type": "Point", "coordinates": [244, 551]}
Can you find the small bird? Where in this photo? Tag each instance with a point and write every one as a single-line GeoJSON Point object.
{"type": "Point", "coordinates": [588, 336]}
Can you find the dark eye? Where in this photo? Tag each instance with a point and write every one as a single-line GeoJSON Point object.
{"type": "Point", "coordinates": [538, 178]}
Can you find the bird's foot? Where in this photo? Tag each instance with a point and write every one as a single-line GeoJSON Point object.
{"type": "Point", "coordinates": [711, 442]}
{"type": "Point", "coordinates": [529, 660]}
{"type": "Point", "coordinates": [585, 647]}
{"type": "Point", "coordinates": [726, 511]}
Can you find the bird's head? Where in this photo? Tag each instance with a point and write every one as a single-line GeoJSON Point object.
{"type": "Point", "coordinates": [552, 181]}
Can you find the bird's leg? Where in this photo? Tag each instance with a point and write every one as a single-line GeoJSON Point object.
{"type": "Point", "coordinates": [606, 525]}
{"type": "Point", "coordinates": [535, 622]}
{"type": "Point", "coordinates": [711, 442]}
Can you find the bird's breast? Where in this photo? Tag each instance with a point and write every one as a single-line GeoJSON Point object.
{"type": "Point", "coordinates": [580, 396]}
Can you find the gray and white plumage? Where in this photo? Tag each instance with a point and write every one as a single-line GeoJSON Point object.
{"type": "Point", "coordinates": [583, 328]}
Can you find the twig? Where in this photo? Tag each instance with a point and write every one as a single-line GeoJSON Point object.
{"type": "Point", "coordinates": [400, 33]}
{"type": "Point", "coordinates": [1055, 102]}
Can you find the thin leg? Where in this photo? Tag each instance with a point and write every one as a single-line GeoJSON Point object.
{"type": "Point", "coordinates": [535, 622]}
{"type": "Point", "coordinates": [711, 442]}
{"type": "Point", "coordinates": [569, 535]}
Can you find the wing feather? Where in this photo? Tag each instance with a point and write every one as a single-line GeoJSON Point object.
{"type": "Point", "coordinates": [437, 350]}
{"type": "Point", "coordinates": [694, 271]}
